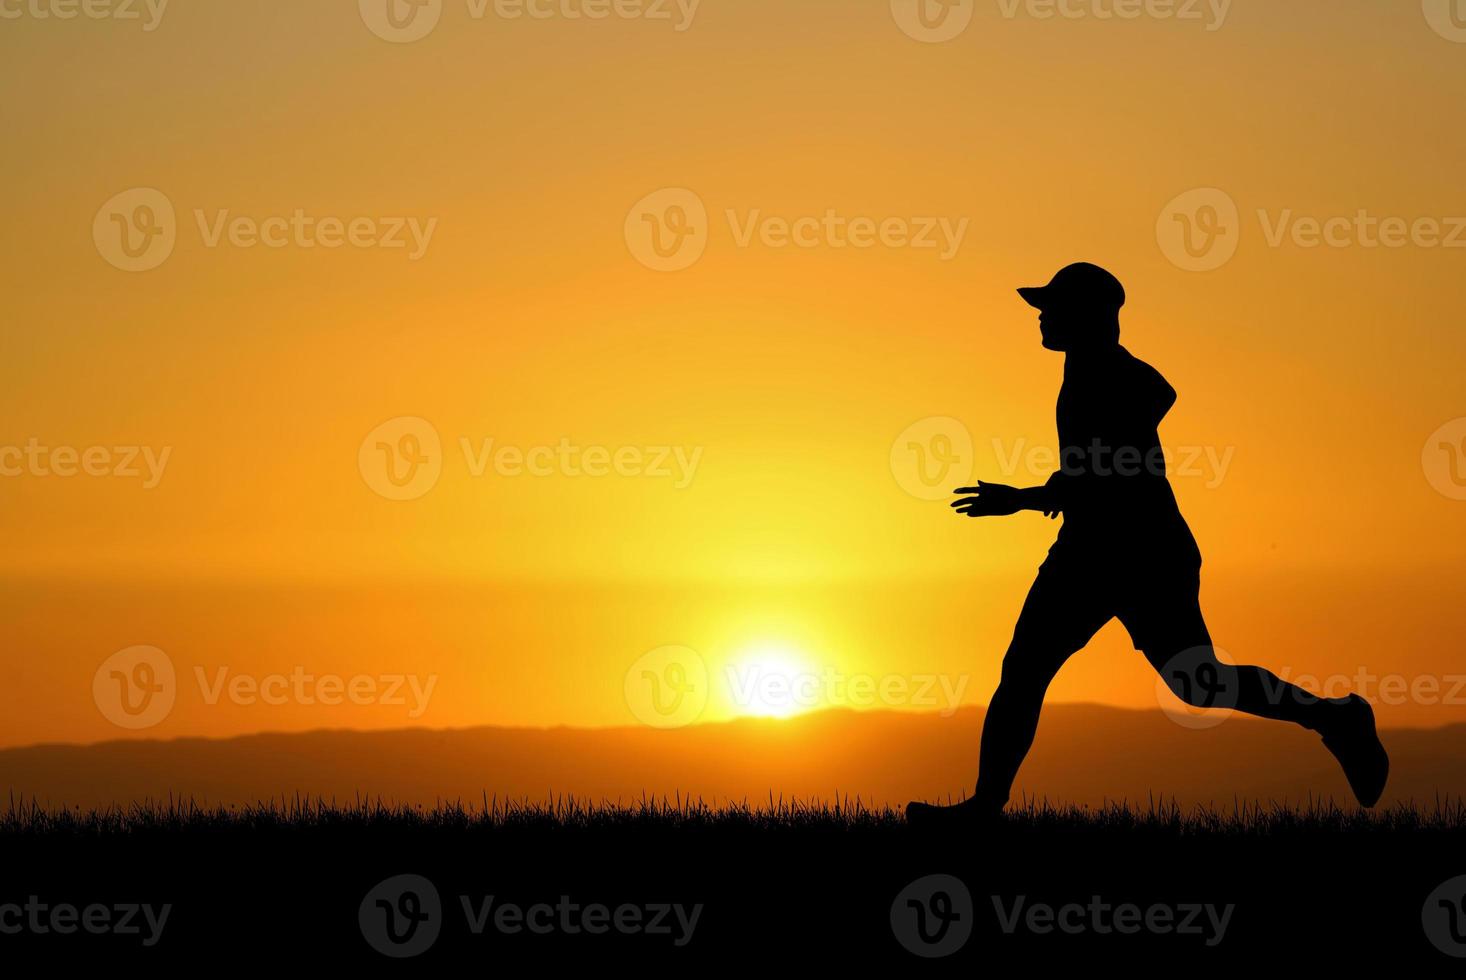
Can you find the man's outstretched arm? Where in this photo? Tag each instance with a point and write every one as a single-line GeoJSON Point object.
{"type": "Point", "coordinates": [997, 500]}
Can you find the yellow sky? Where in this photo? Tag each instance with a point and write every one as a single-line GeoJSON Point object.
{"type": "Point", "coordinates": [1315, 377]}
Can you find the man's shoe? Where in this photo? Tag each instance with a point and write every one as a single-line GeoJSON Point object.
{"type": "Point", "coordinates": [1351, 736]}
{"type": "Point", "coordinates": [967, 815]}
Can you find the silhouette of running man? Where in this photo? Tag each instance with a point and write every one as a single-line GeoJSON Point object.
{"type": "Point", "coordinates": [1124, 552]}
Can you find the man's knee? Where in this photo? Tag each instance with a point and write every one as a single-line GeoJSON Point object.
{"type": "Point", "coordinates": [1028, 666]}
{"type": "Point", "coordinates": [1197, 677]}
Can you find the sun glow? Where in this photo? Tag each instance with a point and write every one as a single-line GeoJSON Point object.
{"type": "Point", "coordinates": [771, 681]}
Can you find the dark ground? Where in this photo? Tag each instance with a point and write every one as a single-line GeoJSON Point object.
{"type": "Point", "coordinates": [793, 887]}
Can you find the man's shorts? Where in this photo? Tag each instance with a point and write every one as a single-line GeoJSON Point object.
{"type": "Point", "coordinates": [1152, 591]}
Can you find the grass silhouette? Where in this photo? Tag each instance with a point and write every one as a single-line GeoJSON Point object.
{"type": "Point", "coordinates": [569, 814]}
{"type": "Point", "coordinates": [285, 878]}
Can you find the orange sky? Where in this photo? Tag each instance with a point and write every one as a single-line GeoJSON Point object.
{"type": "Point", "coordinates": [254, 538]}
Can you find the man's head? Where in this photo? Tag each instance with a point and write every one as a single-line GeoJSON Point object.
{"type": "Point", "coordinates": [1079, 308]}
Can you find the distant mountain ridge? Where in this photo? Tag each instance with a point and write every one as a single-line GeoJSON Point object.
{"type": "Point", "coordinates": [1085, 754]}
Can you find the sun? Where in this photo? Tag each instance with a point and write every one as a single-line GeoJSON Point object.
{"type": "Point", "coordinates": [772, 681]}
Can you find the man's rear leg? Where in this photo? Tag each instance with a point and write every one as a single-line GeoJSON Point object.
{"type": "Point", "coordinates": [1347, 725]}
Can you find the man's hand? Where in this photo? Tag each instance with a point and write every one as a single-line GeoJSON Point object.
{"type": "Point", "coordinates": [997, 500]}
{"type": "Point", "coordinates": [988, 500]}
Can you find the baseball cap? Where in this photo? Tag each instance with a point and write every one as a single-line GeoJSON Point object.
{"type": "Point", "coordinates": [1079, 285]}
